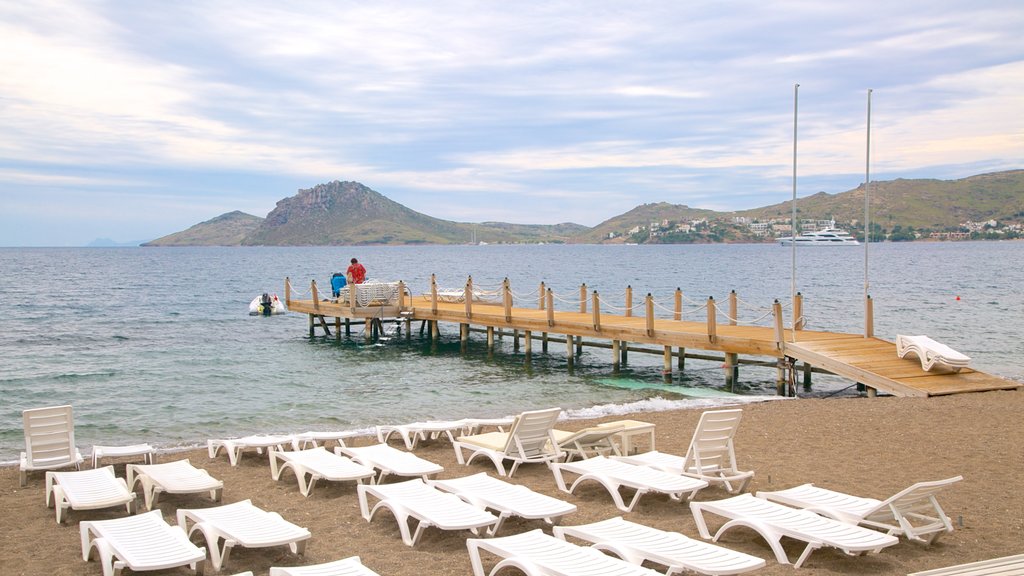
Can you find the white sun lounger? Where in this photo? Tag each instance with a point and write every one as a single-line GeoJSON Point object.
{"type": "Point", "coordinates": [49, 441]}
{"type": "Point", "coordinates": [314, 439]}
{"type": "Point", "coordinates": [178, 477]}
{"type": "Point", "coordinates": [415, 432]}
{"type": "Point", "coordinates": [913, 512]}
{"type": "Point", "coordinates": [390, 460]}
{"type": "Point", "coordinates": [931, 353]}
{"type": "Point", "coordinates": [1005, 566]}
{"type": "Point", "coordinates": [537, 554]}
{"type": "Point", "coordinates": [638, 543]}
{"type": "Point", "coordinates": [235, 446]}
{"type": "Point", "coordinates": [428, 506]}
{"type": "Point", "coordinates": [87, 490]}
{"type": "Point", "coordinates": [583, 443]}
{"type": "Point", "coordinates": [773, 521]}
{"type": "Point", "coordinates": [241, 524]}
{"type": "Point", "coordinates": [351, 566]}
{"type": "Point", "coordinates": [317, 464]}
{"type": "Point", "coordinates": [711, 455]}
{"type": "Point", "coordinates": [530, 439]}
{"type": "Point", "coordinates": [506, 499]}
{"type": "Point", "coordinates": [139, 543]}
{"type": "Point", "coordinates": [614, 475]}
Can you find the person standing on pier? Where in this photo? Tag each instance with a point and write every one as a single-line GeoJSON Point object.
{"type": "Point", "coordinates": [356, 273]}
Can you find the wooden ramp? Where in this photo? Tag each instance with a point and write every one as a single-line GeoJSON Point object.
{"type": "Point", "coordinates": [873, 362]}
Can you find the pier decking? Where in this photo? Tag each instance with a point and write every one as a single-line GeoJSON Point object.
{"type": "Point", "coordinates": [866, 360]}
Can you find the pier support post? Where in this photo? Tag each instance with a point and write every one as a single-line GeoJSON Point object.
{"type": "Point", "coordinates": [780, 376]}
{"type": "Point", "coordinates": [624, 351]}
{"type": "Point", "coordinates": [872, 393]}
{"type": "Point", "coordinates": [732, 370]}
{"type": "Point", "coordinates": [568, 350]}
{"type": "Point", "coordinates": [677, 314]}
{"type": "Point", "coordinates": [667, 363]}
{"type": "Point", "coordinates": [615, 355]}
{"type": "Point", "coordinates": [649, 302]}
{"type": "Point", "coordinates": [515, 340]}
{"type": "Point", "coordinates": [348, 326]}
{"type": "Point", "coordinates": [869, 317]}
{"type": "Point", "coordinates": [798, 312]}
{"type": "Point", "coordinates": [337, 327]}
{"type": "Point", "coordinates": [682, 358]}
{"type": "Point", "coordinates": [463, 332]}
{"type": "Point", "coordinates": [733, 308]}
{"type": "Point", "coordinates": [528, 343]}
{"type": "Point", "coordinates": [807, 375]}
{"type": "Point", "coordinates": [490, 337]}
{"type": "Point", "coordinates": [312, 326]}
{"type": "Point", "coordinates": [579, 345]}
{"type": "Point", "coordinates": [629, 301]}
{"type": "Point", "coordinates": [435, 330]}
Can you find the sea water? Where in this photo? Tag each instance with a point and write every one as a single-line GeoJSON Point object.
{"type": "Point", "coordinates": [156, 344]}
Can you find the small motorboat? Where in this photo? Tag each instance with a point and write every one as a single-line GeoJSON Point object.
{"type": "Point", "coordinates": [266, 305]}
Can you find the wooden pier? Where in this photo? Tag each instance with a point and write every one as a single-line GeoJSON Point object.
{"type": "Point", "coordinates": [861, 358]}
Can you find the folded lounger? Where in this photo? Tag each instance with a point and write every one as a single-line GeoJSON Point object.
{"type": "Point", "coordinates": [142, 542]}
{"type": "Point", "coordinates": [390, 461]}
{"type": "Point", "coordinates": [1005, 566]}
{"type": "Point", "coordinates": [711, 455]}
{"type": "Point", "coordinates": [913, 512]}
{"type": "Point", "coordinates": [241, 524]}
{"type": "Point", "coordinates": [49, 441]}
{"type": "Point", "coordinates": [87, 490]}
{"type": "Point", "coordinates": [314, 439]}
{"type": "Point", "coordinates": [613, 475]}
{"type": "Point", "coordinates": [931, 353]}
{"type": "Point", "coordinates": [583, 443]}
{"type": "Point", "coordinates": [179, 477]}
{"type": "Point", "coordinates": [537, 554]}
{"type": "Point", "coordinates": [317, 464]}
{"type": "Point", "coordinates": [415, 432]}
{"type": "Point", "coordinates": [638, 543]}
{"type": "Point", "coordinates": [506, 499]}
{"type": "Point", "coordinates": [235, 446]}
{"type": "Point", "coordinates": [530, 439]}
{"type": "Point", "coordinates": [428, 506]}
{"type": "Point", "coordinates": [350, 566]}
{"type": "Point", "coordinates": [773, 521]}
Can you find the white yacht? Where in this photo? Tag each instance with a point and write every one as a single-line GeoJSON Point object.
{"type": "Point", "coordinates": [830, 236]}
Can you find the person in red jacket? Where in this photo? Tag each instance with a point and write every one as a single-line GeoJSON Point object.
{"type": "Point", "coordinates": [356, 273]}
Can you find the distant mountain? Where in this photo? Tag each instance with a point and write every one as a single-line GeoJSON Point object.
{"type": "Point", "coordinates": [108, 243]}
{"type": "Point", "coordinates": [225, 230]}
{"type": "Point", "coordinates": [349, 213]}
{"type": "Point", "coordinates": [930, 204]}
{"type": "Point", "coordinates": [616, 229]}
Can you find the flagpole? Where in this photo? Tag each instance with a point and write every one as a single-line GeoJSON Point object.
{"type": "Point", "coordinates": [792, 287]}
{"type": "Point", "coordinates": [867, 222]}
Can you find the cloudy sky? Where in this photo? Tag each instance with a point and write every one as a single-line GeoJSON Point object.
{"type": "Point", "coordinates": [131, 120]}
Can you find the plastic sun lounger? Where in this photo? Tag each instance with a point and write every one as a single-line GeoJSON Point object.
{"type": "Point", "coordinates": [317, 464]}
{"type": "Point", "coordinates": [913, 512]}
{"type": "Point", "coordinates": [614, 475]}
{"type": "Point", "coordinates": [87, 490]}
{"type": "Point", "coordinates": [595, 440]}
{"type": "Point", "coordinates": [773, 521]}
{"type": "Point", "coordinates": [241, 524]}
{"type": "Point", "coordinates": [178, 477]}
{"type": "Point", "coordinates": [351, 566]}
{"type": "Point", "coordinates": [413, 433]}
{"type": "Point", "coordinates": [49, 441]}
{"type": "Point", "coordinates": [235, 446]}
{"type": "Point", "coordinates": [537, 554]}
{"type": "Point", "coordinates": [314, 439]}
{"type": "Point", "coordinates": [531, 439]}
{"type": "Point", "coordinates": [711, 455]}
{"type": "Point", "coordinates": [1005, 566]}
{"type": "Point", "coordinates": [139, 543]}
{"type": "Point", "coordinates": [389, 460]}
{"type": "Point", "coordinates": [931, 353]}
{"type": "Point", "coordinates": [506, 499]}
{"type": "Point", "coordinates": [428, 506]}
{"type": "Point", "coordinates": [638, 543]}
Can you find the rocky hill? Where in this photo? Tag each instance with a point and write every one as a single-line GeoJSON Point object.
{"type": "Point", "coordinates": [349, 213]}
{"type": "Point", "coordinates": [225, 230]}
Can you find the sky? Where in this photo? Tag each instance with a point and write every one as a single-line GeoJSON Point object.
{"type": "Point", "coordinates": [130, 120]}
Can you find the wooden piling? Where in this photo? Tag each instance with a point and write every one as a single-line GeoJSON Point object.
{"type": "Point", "coordinates": [733, 308]}
{"type": "Point", "coordinates": [649, 305]}
{"type": "Point", "coordinates": [712, 321]}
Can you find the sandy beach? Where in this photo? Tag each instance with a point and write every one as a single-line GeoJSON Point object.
{"type": "Point", "coordinates": [869, 447]}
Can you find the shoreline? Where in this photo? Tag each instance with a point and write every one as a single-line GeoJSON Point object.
{"type": "Point", "coordinates": [868, 447]}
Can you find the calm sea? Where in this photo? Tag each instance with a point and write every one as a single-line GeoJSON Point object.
{"type": "Point", "coordinates": [156, 344]}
